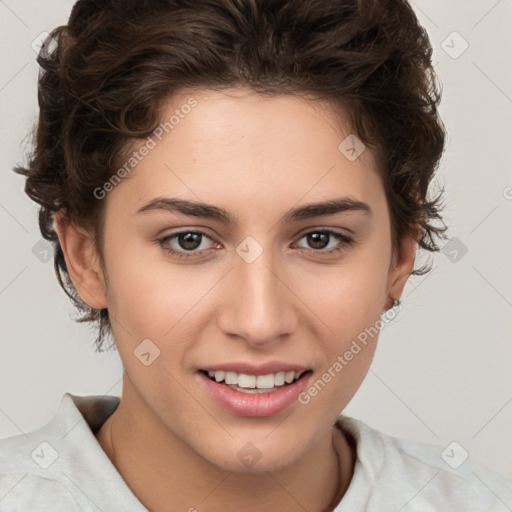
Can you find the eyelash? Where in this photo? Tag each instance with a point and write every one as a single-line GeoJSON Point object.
{"type": "Point", "coordinates": [345, 242]}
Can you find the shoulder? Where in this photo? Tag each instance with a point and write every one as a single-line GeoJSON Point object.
{"type": "Point", "coordinates": [419, 476]}
{"type": "Point", "coordinates": [49, 468]}
{"type": "Point", "coordinates": [27, 481]}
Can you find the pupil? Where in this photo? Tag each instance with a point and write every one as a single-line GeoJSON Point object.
{"type": "Point", "coordinates": [189, 241]}
{"type": "Point", "coordinates": [318, 240]}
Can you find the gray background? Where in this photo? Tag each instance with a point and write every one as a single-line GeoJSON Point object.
{"type": "Point", "coordinates": [442, 369]}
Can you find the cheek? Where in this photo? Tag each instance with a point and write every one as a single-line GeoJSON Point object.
{"type": "Point", "coordinates": [151, 302]}
{"type": "Point", "coordinates": [352, 311]}
{"type": "Point", "coordinates": [350, 296]}
{"type": "Point", "coordinates": [151, 297]}
{"type": "Point", "coordinates": [351, 307]}
{"type": "Point", "coordinates": [349, 299]}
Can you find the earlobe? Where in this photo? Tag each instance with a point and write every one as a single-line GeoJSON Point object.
{"type": "Point", "coordinates": [82, 261]}
{"type": "Point", "coordinates": [402, 267]}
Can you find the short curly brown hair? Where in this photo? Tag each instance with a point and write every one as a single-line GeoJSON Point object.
{"type": "Point", "coordinates": [106, 75]}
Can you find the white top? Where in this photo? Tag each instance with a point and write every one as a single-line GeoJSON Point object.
{"type": "Point", "coordinates": [61, 467]}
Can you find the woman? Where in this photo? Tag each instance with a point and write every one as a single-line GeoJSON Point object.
{"type": "Point", "coordinates": [236, 191]}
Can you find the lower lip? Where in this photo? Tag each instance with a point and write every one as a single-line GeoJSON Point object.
{"type": "Point", "coordinates": [255, 405]}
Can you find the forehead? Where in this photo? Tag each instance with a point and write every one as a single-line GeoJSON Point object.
{"type": "Point", "coordinates": [239, 145]}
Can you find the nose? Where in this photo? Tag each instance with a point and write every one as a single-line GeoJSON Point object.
{"type": "Point", "coordinates": [259, 303]}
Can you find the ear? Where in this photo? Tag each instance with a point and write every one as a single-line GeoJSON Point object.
{"type": "Point", "coordinates": [402, 266]}
{"type": "Point", "coordinates": [82, 261]}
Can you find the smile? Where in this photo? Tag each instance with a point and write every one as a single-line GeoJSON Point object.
{"type": "Point", "coordinates": [254, 395]}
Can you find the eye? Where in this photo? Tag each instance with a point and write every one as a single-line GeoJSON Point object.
{"type": "Point", "coordinates": [185, 244]}
{"type": "Point", "coordinates": [190, 244]}
{"type": "Point", "coordinates": [326, 241]}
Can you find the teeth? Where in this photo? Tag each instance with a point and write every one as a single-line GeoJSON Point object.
{"type": "Point", "coordinates": [231, 378]}
{"type": "Point", "coordinates": [265, 381]}
{"type": "Point", "coordinates": [246, 381]}
{"type": "Point", "coordinates": [252, 381]}
{"type": "Point", "coordinates": [279, 379]}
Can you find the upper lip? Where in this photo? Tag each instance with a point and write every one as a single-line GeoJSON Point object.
{"type": "Point", "coordinates": [256, 369]}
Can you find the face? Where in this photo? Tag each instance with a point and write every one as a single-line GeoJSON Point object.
{"type": "Point", "coordinates": [258, 284]}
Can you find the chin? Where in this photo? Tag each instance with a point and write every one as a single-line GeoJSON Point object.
{"type": "Point", "coordinates": [262, 466]}
{"type": "Point", "coordinates": [244, 457]}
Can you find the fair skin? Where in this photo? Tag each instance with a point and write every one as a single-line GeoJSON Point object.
{"type": "Point", "coordinates": [256, 157]}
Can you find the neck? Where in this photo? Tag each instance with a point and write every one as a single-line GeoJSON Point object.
{"type": "Point", "coordinates": [160, 469]}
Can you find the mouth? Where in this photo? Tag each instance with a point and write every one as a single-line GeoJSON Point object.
{"type": "Point", "coordinates": [250, 395]}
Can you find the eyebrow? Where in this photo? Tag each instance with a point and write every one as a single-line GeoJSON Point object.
{"type": "Point", "coordinates": [208, 211]}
